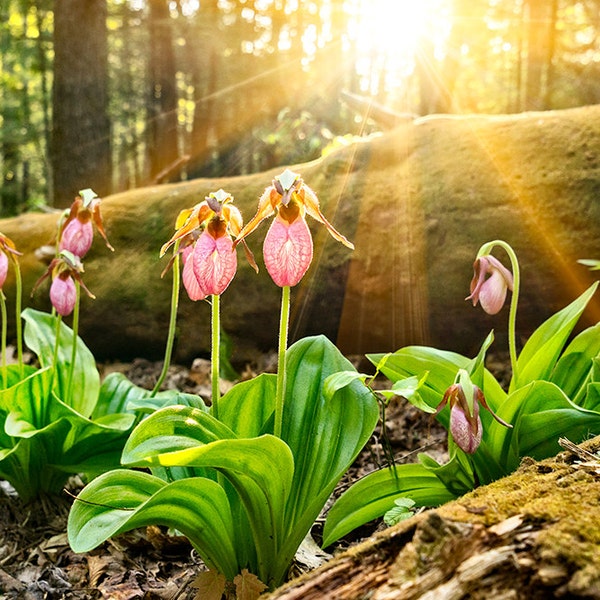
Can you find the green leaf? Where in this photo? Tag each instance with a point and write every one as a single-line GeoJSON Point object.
{"type": "Point", "coordinates": [171, 430]}
{"type": "Point", "coordinates": [119, 394]}
{"type": "Point", "coordinates": [40, 337]}
{"type": "Point", "coordinates": [440, 365]}
{"type": "Point", "coordinates": [409, 389]}
{"type": "Point", "coordinates": [325, 434]}
{"type": "Point", "coordinates": [372, 496]}
{"type": "Point", "coordinates": [247, 408]}
{"type": "Point", "coordinates": [574, 369]}
{"type": "Point", "coordinates": [123, 500]}
{"type": "Point", "coordinates": [539, 355]}
{"type": "Point", "coordinates": [540, 414]}
{"type": "Point", "coordinates": [402, 510]}
{"type": "Point", "coordinates": [261, 471]}
{"type": "Point", "coordinates": [340, 380]}
{"type": "Point", "coordinates": [456, 475]}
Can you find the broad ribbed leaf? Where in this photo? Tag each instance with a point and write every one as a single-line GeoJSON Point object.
{"type": "Point", "coordinates": [123, 500]}
{"type": "Point", "coordinates": [574, 368]}
{"type": "Point", "coordinates": [27, 464]}
{"type": "Point", "coordinates": [170, 430]}
{"type": "Point", "coordinates": [40, 337]}
{"type": "Point", "coordinates": [260, 469]}
{"type": "Point", "coordinates": [119, 394]}
{"type": "Point", "coordinates": [373, 495]}
{"type": "Point", "coordinates": [30, 401]}
{"type": "Point", "coordinates": [541, 413]}
{"type": "Point", "coordinates": [540, 353]}
{"type": "Point", "coordinates": [247, 408]}
{"type": "Point", "coordinates": [324, 434]}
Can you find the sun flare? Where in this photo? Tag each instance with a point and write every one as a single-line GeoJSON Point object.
{"type": "Point", "coordinates": [388, 33]}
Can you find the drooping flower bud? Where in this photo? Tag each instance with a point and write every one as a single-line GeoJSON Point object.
{"type": "Point", "coordinates": [464, 399]}
{"type": "Point", "coordinates": [491, 280]}
{"type": "Point", "coordinates": [65, 270]}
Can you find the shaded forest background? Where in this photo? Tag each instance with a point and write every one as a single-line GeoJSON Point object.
{"type": "Point", "coordinates": [115, 94]}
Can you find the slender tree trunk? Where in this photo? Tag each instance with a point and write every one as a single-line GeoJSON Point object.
{"type": "Point", "coordinates": [162, 96]}
{"type": "Point", "coordinates": [539, 35]}
{"type": "Point", "coordinates": [81, 149]}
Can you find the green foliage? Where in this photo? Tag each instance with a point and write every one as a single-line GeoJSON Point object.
{"type": "Point", "coordinates": [556, 394]}
{"type": "Point", "coordinates": [254, 496]}
{"type": "Point", "coordinates": [56, 421]}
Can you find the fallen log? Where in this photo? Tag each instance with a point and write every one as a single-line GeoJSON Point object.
{"type": "Point", "coordinates": [417, 202]}
{"type": "Point", "coordinates": [534, 534]}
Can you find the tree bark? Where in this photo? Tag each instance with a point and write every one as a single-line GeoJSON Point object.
{"type": "Point", "coordinates": [81, 153]}
{"type": "Point", "coordinates": [162, 96]}
{"type": "Point", "coordinates": [531, 535]}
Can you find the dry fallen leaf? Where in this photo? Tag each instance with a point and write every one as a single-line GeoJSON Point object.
{"type": "Point", "coordinates": [248, 586]}
{"type": "Point", "coordinates": [210, 585]}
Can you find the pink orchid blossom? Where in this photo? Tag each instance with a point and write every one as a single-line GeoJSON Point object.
{"type": "Point", "coordinates": [63, 293]}
{"type": "Point", "coordinates": [190, 281]}
{"type": "Point", "coordinates": [3, 268]}
{"type": "Point", "coordinates": [7, 250]}
{"type": "Point", "coordinates": [214, 260]}
{"type": "Point", "coordinates": [76, 232]}
{"type": "Point", "coordinates": [288, 247]}
{"type": "Point", "coordinates": [77, 237]}
{"type": "Point", "coordinates": [491, 280]}
{"type": "Point", "coordinates": [205, 234]}
{"type": "Point", "coordinates": [288, 251]}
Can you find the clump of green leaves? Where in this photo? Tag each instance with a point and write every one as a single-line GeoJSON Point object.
{"type": "Point", "coordinates": [554, 392]}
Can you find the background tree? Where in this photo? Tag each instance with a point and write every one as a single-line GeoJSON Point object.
{"type": "Point", "coordinates": [245, 85]}
{"type": "Point", "coordinates": [81, 141]}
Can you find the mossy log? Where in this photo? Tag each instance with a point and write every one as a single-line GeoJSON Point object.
{"type": "Point", "coordinates": [417, 201]}
{"type": "Point", "coordinates": [532, 535]}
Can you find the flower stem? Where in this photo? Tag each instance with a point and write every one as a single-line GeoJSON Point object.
{"type": "Point", "coordinates": [18, 323]}
{"type": "Point", "coordinates": [172, 325]}
{"type": "Point", "coordinates": [283, 337]}
{"type": "Point", "coordinates": [514, 301]}
{"type": "Point", "coordinates": [69, 389]}
{"type": "Point", "coordinates": [215, 358]}
{"type": "Point", "coordinates": [4, 327]}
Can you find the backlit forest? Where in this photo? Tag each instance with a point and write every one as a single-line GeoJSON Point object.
{"type": "Point", "coordinates": [115, 94]}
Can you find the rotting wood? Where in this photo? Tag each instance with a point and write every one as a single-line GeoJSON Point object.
{"type": "Point", "coordinates": [532, 535]}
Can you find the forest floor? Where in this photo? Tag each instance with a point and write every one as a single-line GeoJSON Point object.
{"type": "Point", "coordinates": [36, 562]}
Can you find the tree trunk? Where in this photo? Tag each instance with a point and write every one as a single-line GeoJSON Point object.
{"type": "Point", "coordinates": [539, 37]}
{"type": "Point", "coordinates": [81, 154]}
{"type": "Point", "coordinates": [162, 97]}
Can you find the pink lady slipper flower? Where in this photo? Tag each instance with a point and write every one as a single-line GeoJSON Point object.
{"type": "Point", "coordinates": [76, 232]}
{"type": "Point", "coordinates": [65, 270]}
{"type": "Point", "coordinates": [7, 249]}
{"type": "Point", "coordinates": [464, 399]}
{"type": "Point", "coordinates": [209, 257]}
{"type": "Point", "coordinates": [490, 281]}
{"type": "Point", "coordinates": [288, 246]}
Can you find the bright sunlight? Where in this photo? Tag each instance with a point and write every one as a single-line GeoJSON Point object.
{"type": "Point", "coordinates": [388, 34]}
